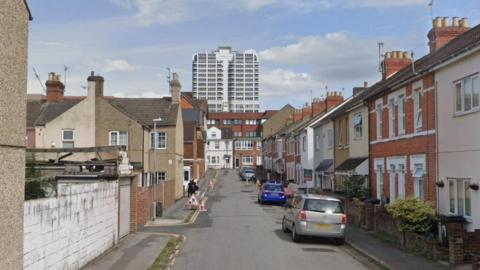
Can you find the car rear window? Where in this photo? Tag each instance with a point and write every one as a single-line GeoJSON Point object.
{"type": "Point", "coordinates": [273, 188]}
{"type": "Point", "coordinates": [323, 206]}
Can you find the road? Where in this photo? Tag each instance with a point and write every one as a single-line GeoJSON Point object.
{"type": "Point", "coordinates": [237, 233]}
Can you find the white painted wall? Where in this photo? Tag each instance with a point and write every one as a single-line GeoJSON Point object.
{"type": "Point", "coordinates": [358, 146]}
{"type": "Point", "coordinates": [225, 148]}
{"type": "Point", "coordinates": [69, 231]}
{"type": "Point", "coordinates": [458, 136]}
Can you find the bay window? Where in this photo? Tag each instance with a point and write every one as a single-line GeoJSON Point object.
{"type": "Point", "coordinates": [459, 197]}
{"type": "Point", "coordinates": [357, 124]}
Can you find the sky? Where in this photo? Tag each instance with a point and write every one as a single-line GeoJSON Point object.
{"type": "Point", "coordinates": [306, 47]}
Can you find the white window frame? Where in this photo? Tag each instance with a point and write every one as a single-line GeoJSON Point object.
{"type": "Point", "coordinates": [418, 164]}
{"type": "Point", "coordinates": [396, 166]}
{"type": "Point", "coordinates": [379, 172]}
{"type": "Point", "coordinates": [117, 133]}
{"type": "Point", "coordinates": [330, 138]}
{"type": "Point", "coordinates": [417, 94]}
{"type": "Point", "coordinates": [247, 160]}
{"type": "Point", "coordinates": [304, 143]}
{"type": "Point", "coordinates": [155, 143]}
{"type": "Point", "coordinates": [72, 140]}
{"type": "Point", "coordinates": [463, 185]}
{"type": "Point", "coordinates": [358, 125]}
{"type": "Point", "coordinates": [379, 115]}
{"type": "Point", "coordinates": [474, 88]}
{"type": "Point", "coordinates": [401, 107]}
{"type": "Point", "coordinates": [391, 117]}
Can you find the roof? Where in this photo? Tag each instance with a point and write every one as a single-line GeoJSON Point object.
{"type": "Point", "coordinates": [350, 164]}
{"type": "Point", "coordinates": [269, 113]}
{"type": "Point", "coordinates": [189, 128]}
{"type": "Point", "coordinates": [325, 165]}
{"type": "Point", "coordinates": [331, 112]}
{"type": "Point", "coordinates": [191, 115]}
{"type": "Point", "coordinates": [34, 108]}
{"type": "Point", "coordinates": [352, 102]}
{"type": "Point", "coordinates": [227, 133]}
{"type": "Point", "coordinates": [50, 111]}
{"type": "Point", "coordinates": [455, 47]}
{"type": "Point", "coordinates": [198, 103]}
{"type": "Point", "coordinates": [235, 115]}
{"type": "Point", "coordinates": [145, 110]}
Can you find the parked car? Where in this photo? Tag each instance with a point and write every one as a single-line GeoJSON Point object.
{"type": "Point", "coordinates": [248, 174]}
{"type": "Point", "coordinates": [272, 193]}
{"type": "Point", "coordinates": [315, 215]}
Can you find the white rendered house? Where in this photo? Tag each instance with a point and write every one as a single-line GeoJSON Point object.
{"type": "Point", "coordinates": [219, 148]}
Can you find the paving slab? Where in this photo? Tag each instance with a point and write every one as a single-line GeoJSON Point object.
{"type": "Point", "coordinates": [137, 251]}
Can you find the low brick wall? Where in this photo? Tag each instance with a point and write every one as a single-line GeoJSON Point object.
{"type": "Point", "coordinates": [376, 218]}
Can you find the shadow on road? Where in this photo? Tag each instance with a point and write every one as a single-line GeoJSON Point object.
{"type": "Point", "coordinates": [286, 236]}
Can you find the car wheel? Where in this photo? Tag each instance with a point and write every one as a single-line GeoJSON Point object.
{"type": "Point", "coordinates": [340, 241]}
{"type": "Point", "coordinates": [284, 226]}
{"type": "Point", "coordinates": [295, 236]}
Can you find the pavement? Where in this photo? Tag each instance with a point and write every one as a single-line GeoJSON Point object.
{"type": "Point", "coordinates": [237, 233]}
{"type": "Point", "coordinates": [386, 254]}
{"type": "Point", "coordinates": [137, 251]}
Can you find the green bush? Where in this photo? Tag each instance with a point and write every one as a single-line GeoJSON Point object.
{"type": "Point", "coordinates": [413, 215]}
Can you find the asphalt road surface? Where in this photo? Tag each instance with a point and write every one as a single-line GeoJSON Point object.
{"type": "Point", "coordinates": [239, 234]}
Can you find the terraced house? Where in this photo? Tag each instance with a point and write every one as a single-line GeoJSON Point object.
{"type": "Point", "coordinates": [150, 128]}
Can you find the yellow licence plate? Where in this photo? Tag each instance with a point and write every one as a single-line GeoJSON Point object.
{"type": "Point", "coordinates": [323, 226]}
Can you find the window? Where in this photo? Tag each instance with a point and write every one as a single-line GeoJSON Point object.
{"type": "Point", "coordinates": [459, 197]}
{"type": "Point", "coordinates": [68, 138]}
{"type": "Point", "coordinates": [317, 142]}
{"type": "Point", "coordinates": [401, 115]}
{"type": "Point", "coordinates": [159, 141]}
{"type": "Point", "coordinates": [379, 175]}
{"type": "Point", "coordinates": [247, 160]}
{"type": "Point", "coordinates": [214, 135]}
{"type": "Point", "coordinates": [417, 109]}
{"type": "Point", "coordinates": [357, 124]}
{"type": "Point", "coordinates": [378, 112]}
{"type": "Point", "coordinates": [118, 138]}
{"type": "Point", "coordinates": [391, 117]}
{"type": "Point", "coordinates": [339, 133]}
{"type": "Point", "coordinates": [217, 145]}
{"type": "Point", "coordinates": [244, 144]}
{"type": "Point", "coordinates": [330, 138]}
{"type": "Point", "coordinates": [467, 94]}
{"type": "Point", "coordinates": [347, 133]}
{"type": "Point", "coordinates": [259, 160]}
{"type": "Point", "coordinates": [417, 175]}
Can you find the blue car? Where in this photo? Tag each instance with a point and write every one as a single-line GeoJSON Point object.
{"type": "Point", "coordinates": [272, 193]}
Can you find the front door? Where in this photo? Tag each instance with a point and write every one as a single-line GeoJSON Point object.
{"type": "Point", "coordinates": [237, 162]}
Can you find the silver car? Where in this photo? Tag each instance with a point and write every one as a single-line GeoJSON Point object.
{"type": "Point", "coordinates": [315, 215]}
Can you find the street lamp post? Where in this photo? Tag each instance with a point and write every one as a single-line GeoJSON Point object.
{"type": "Point", "coordinates": [155, 146]}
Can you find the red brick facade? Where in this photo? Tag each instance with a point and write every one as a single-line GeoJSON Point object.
{"type": "Point", "coordinates": [410, 144]}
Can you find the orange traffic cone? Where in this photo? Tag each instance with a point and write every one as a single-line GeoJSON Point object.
{"type": "Point", "coordinates": [202, 206]}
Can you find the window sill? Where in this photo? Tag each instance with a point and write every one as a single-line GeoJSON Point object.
{"type": "Point", "coordinates": [460, 114]}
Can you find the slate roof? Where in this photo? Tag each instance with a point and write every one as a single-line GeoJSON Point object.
{"type": "Point", "coordinates": [325, 165]}
{"type": "Point", "coordinates": [34, 108]}
{"type": "Point", "coordinates": [455, 47]}
{"type": "Point", "coordinates": [50, 111]}
{"type": "Point", "coordinates": [350, 164]}
{"type": "Point", "coordinates": [191, 115]}
{"type": "Point", "coordinates": [144, 110]}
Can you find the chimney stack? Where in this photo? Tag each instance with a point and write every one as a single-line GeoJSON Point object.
{"type": "Point", "coordinates": [55, 88]}
{"type": "Point", "coordinates": [333, 99]}
{"type": "Point", "coordinates": [95, 85]}
{"type": "Point", "coordinates": [442, 33]}
{"type": "Point", "coordinates": [297, 115]}
{"type": "Point", "coordinates": [176, 88]}
{"type": "Point", "coordinates": [318, 106]}
{"type": "Point", "coordinates": [357, 90]}
{"type": "Point", "coordinates": [306, 111]}
{"type": "Point", "coordinates": [394, 61]}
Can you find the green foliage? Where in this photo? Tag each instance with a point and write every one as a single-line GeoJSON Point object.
{"type": "Point", "coordinates": [355, 187]}
{"type": "Point", "coordinates": [34, 190]}
{"type": "Point", "coordinates": [412, 215]}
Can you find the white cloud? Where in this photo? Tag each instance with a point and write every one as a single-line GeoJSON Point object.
{"type": "Point", "coordinates": [114, 65]}
{"type": "Point", "coordinates": [332, 57]}
{"type": "Point", "coordinates": [285, 82]}
{"type": "Point", "coordinates": [148, 12]}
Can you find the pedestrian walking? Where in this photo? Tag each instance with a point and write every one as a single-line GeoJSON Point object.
{"type": "Point", "coordinates": [192, 187]}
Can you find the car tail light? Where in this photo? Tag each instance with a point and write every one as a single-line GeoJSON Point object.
{"type": "Point", "coordinates": [302, 215]}
{"type": "Point", "coordinates": [344, 218]}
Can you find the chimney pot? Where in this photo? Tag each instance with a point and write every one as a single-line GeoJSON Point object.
{"type": "Point", "coordinates": [92, 73]}
{"type": "Point", "coordinates": [445, 22]}
{"type": "Point", "coordinates": [455, 22]}
{"type": "Point", "coordinates": [437, 22]}
{"type": "Point", "coordinates": [365, 84]}
{"type": "Point", "coordinates": [407, 55]}
{"type": "Point", "coordinates": [464, 22]}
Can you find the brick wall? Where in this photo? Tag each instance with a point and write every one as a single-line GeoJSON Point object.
{"type": "Point", "coordinates": [143, 207]}
{"type": "Point", "coordinates": [69, 231]}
